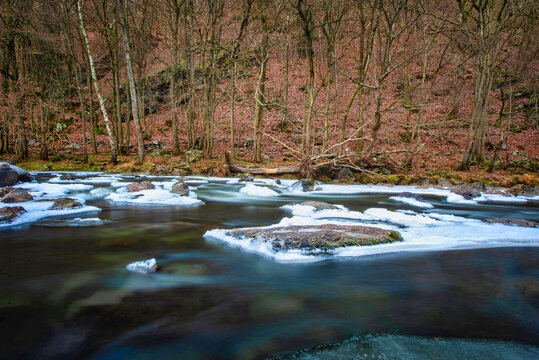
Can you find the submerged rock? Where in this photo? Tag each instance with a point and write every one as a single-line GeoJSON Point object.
{"type": "Point", "coordinates": [319, 237]}
{"type": "Point", "coordinates": [518, 222]}
{"type": "Point", "coordinates": [8, 213]}
{"type": "Point", "coordinates": [180, 188]}
{"type": "Point", "coordinates": [144, 185]}
{"type": "Point", "coordinates": [65, 203]}
{"type": "Point", "coordinates": [143, 267]}
{"type": "Point", "coordinates": [319, 205]}
{"type": "Point", "coordinates": [17, 195]}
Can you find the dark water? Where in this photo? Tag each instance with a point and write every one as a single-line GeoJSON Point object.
{"type": "Point", "coordinates": [65, 294]}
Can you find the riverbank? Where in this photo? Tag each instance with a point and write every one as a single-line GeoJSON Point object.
{"type": "Point", "coordinates": [192, 163]}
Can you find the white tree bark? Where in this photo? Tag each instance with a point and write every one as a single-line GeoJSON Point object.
{"type": "Point", "coordinates": [96, 86]}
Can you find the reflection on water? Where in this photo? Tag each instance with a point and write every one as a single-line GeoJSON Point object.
{"type": "Point", "coordinates": [65, 292]}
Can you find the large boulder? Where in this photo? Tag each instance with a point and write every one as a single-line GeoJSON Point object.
{"type": "Point", "coordinates": [139, 186]}
{"type": "Point", "coordinates": [11, 174]}
{"type": "Point", "coordinates": [180, 188]}
{"type": "Point", "coordinates": [8, 213]}
{"type": "Point", "coordinates": [319, 237]}
{"type": "Point", "coordinates": [65, 203]}
{"type": "Point", "coordinates": [8, 176]}
{"type": "Point", "coordinates": [16, 196]}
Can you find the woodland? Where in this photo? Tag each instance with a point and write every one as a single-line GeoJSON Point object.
{"type": "Point", "coordinates": [361, 89]}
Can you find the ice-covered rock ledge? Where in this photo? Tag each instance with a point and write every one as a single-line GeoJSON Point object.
{"type": "Point", "coordinates": [313, 238]}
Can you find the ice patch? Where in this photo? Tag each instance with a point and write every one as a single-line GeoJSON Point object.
{"type": "Point", "coordinates": [154, 197]}
{"type": "Point", "coordinates": [459, 199]}
{"type": "Point", "coordinates": [413, 202]}
{"type": "Point", "coordinates": [311, 212]}
{"type": "Point", "coordinates": [40, 210]}
{"type": "Point", "coordinates": [333, 189]}
{"type": "Point", "coordinates": [51, 191]}
{"type": "Point", "coordinates": [505, 198]}
{"type": "Point", "coordinates": [254, 190]}
{"type": "Point", "coordinates": [142, 267]}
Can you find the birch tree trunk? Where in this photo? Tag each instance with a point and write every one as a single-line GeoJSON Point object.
{"type": "Point", "coordinates": [96, 85]}
{"type": "Point", "coordinates": [260, 99]}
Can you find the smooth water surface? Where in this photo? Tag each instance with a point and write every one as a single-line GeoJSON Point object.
{"type": "Point", "coordinates": [65, 292]}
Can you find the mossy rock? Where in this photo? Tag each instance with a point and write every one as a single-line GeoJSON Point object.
{"type": "Point", "coordinates": [65, 203]}
{"type": "Point", "coordinates": [319, 237]}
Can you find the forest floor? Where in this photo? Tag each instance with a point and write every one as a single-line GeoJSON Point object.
{"type": "Point", "coordinates": [192, 164]}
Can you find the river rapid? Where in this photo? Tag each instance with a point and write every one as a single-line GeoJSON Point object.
{"type": "Point", "coordinates": [456, 287]}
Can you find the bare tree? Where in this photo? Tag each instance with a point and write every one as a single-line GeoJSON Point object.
{"type": "Point", "coordinates": [131, 80]}
{"type": "Point", "coordinates": [96, 85]}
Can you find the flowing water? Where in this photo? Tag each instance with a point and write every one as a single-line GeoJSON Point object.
{"type": "Point", "coordinates": [456, 288]}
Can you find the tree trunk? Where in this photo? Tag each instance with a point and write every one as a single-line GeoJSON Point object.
{"type": "Point", "coordinates": [260, 99]}
{"type": "Point", "coordinates": [96, 85]}
{"type": "Point", "coordinates": [131, 80]}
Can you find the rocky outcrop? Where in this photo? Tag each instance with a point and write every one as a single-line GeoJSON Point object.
{"type": "Point", "coordinates": [16, 196]}
{"type": "Point", "coordinates": [11, 174]}
{"type": "Point", "coordinates": [65, 203]}
{"type": "Point", "coordinates": [8, 213]}
{"type": "Point", "coordinates": [139, 186]}
{"type": "Point", "coordinates": [180, 188]}
{"type": "Point", "coordinates": [517, 222]}
{"type": "Point", "coordinates": [319, 237]}
{"type": "Point", "coordinates": [319, 205]}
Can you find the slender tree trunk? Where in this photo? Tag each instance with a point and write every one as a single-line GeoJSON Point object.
{"type": "Point", "coordinates": [172, 90]}
{"type": "Point", "coordinates": [131, 80]}
{"type": "Point", "coordinates": [232, 108]}
{"type": "Point", "coordinates": [92, 113]}
{"type": "Point", "coordinates": [260, 99]}
{"type": "Point", "coordinates": [96, 85]}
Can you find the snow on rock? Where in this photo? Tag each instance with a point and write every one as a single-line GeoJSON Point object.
{"type": "Point", "coordinates": [254, 190]}
{"type": "Point", "coordinates": [412, 201]}
{"type": "Point", "coordinates": [51, 191]}
{"type": "Point", "coordinates": [143, 267]}
{"type": "Point", "coordinates": [40, 210]}
{"type": "Point", "coordinates": [459, 199]}
{"type": "Point", "coordinates": [154, 197]}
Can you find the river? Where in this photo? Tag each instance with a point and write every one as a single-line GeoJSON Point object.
{"type": "Point", "coordinates": [456, 288]}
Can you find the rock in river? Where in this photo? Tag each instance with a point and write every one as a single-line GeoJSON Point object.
{"type": "Point", "coordinates": [319, 237]}
{"type": "Point", "coordinates": [65, 203]}
{"type": "Point", "coordinates": [319, 205]}
{"type": "Point", "coordinates": [17, 195]}
{"type": "Point", "coordinates": [8, 213]}
{"type": "Point", "coordinates": [180, 188]}
{"type": "Point", "coordinates": [11, 174]}
{"type": "Point", "coordinates": [510, 221]}
{"type": "Point", "coordinates": [144, 185]}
